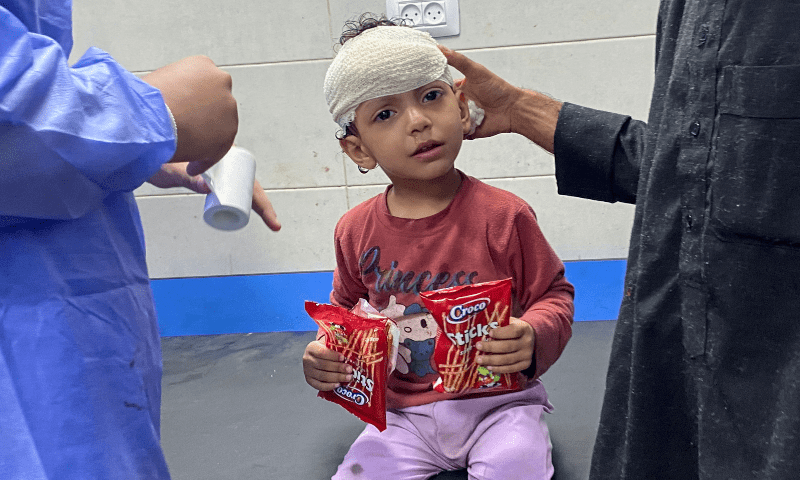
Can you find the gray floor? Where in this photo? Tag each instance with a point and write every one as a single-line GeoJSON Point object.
{"type": "Point", "coordinates": [237, 407]}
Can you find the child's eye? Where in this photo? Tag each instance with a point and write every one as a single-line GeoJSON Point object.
{"type": "Point", "coordinates": [432, 95]}
{"type": "Point", "coordinates": [384, 115]}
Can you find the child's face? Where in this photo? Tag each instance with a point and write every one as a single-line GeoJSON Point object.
{"type": "Point", "coordinates": [414, 135]}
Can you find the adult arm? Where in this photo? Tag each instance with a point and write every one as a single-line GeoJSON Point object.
{"type": "Point", "coordinates": [598, 154]}
{"type": "Point", "coordinates": [70, 136]}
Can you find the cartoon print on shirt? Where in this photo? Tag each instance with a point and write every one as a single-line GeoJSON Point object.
{"type": "Point", "coordinates": [418, 329]}
{"type": "Point", "coordinates": [417, 341]}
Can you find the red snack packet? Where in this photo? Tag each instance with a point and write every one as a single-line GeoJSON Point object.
{"type": "Point", "coordinates": [465, 315]}
{"type": "Point", "coordinates": [369, 345]}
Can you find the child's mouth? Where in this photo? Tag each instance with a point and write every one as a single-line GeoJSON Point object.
{"type": "Point", "coordinates": [427, 146]}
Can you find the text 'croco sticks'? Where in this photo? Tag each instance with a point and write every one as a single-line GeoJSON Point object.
{"type": "Point", "coordinates": [369, 345]}
{"type": "Point", "coordinates": [465, 315]}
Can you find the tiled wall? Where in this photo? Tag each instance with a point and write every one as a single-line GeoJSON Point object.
{"type": "Point", "coordinates": [598, 53]}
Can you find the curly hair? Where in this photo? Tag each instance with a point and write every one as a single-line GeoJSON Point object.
{"type": "Point", "coordinates": [354, 28]}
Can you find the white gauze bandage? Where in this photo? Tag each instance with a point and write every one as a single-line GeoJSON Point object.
{"type": "Point", "coordinates": [378, 62]}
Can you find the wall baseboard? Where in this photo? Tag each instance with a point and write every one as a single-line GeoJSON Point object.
{"type": "Point", "coordinates": [274, 303]}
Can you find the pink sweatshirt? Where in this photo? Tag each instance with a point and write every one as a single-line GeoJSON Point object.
{"type": "Point", "coordinates": [484, 234]}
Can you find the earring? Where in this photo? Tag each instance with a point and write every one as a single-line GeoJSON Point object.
{"type": "Point", "coordinates": [363, 169]}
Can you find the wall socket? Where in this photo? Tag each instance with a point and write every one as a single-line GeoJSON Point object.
{"type": "Point", "coordinates": [440, 18]}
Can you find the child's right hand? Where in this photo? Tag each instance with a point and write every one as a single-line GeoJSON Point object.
{"type": "Point", "coordinates": [325, 369]}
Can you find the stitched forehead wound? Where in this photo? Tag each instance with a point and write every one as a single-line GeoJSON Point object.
{"type": "Point", "coordinates": [381, 61]}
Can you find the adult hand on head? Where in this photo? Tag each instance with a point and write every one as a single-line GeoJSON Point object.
{"type": "Point", "coordinates": [175, 175]}
{"type": "Point", "coordinates": [508, 109]}
{"type": "Point", "coordinates": [493, 94]}
{"type": "Point", "coordinates": [201, 100]}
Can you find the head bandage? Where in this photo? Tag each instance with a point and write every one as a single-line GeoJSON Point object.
{"type": "Point", "coordinates": [378, 62]}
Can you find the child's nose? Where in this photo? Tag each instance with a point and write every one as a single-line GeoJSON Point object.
{"type": "Point", "coordinates": [418, 119]}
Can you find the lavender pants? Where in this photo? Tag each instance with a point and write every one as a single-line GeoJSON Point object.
{"type": "Point", "coordinates": [500, 437]}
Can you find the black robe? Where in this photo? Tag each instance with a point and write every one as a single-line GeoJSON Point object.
{"type": "Point", "coordinates": [704, 375]}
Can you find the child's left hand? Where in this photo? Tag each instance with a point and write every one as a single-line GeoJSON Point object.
{"type": "Point", "coordinates": [510, 348]}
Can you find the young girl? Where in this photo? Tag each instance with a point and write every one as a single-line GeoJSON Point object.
{"type": "Point", "coordinates": [390, 90]}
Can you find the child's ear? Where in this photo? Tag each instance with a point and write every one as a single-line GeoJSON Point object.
{"type": "Point", "coordinates": [357, 151]}
{"type": "Point", "coordinates": [466, 119]}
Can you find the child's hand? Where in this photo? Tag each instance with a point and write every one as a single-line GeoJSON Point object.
{"type": "Point", "coordinates": [510, 348]}
{"type": "Point", "coordinates": [324, 368]}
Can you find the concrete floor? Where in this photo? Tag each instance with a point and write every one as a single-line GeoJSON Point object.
{"type": "Point", "coordinates": [236, 407]}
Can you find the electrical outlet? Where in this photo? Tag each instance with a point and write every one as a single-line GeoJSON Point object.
{"type": "Point", "coordinates": [433, 13]}
{"type": "Point", "coordinates": [411, 13]}
{"type": "Point", "coordinates": [439, 18]}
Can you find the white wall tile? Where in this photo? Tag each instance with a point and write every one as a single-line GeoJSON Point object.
{"type": "Point", "coordinates": [345, 10]}
{"type": "Point", "coordinates": [284, 121]}
{"type": "Point", "coordinates": [180, 244]}
{"type": "Point", "coordinates": [498, 23]}
{"type": "Point", "coordinates": [356, 195]}
{"type": "Point", "coordinates": [577, 229]}
{"type": "Point", "coordinates": [147, 34]}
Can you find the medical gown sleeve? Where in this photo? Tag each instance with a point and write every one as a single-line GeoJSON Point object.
{"type": "Point", "coordinates": [69, 136]}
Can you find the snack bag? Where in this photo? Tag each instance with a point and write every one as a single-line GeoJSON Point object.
{"type": "Point", "coordinates": [465, 315]}
{"type": "Point", "coordinates": [369, 344]}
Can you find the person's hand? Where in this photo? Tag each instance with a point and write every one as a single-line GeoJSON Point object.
{"type": "Point", "coordinates": [325, 369]}
{"type": "Point", "coordinates": [509, 349]}
{"type": "Point", "coordinates": [493, 94]}
{"type": "Point", "coordinates": [175, 175]}
{"type": "Point", "coordinates": [508, 109]}
{"type": "Point", "coordinates": [200, 97]}
{"type": "Point", "coordinates": [263, 207]}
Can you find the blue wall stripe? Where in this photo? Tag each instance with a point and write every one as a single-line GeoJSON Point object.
{"type": "Point", "coordinates": [269, 303]}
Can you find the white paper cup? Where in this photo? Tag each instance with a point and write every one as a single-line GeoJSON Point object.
{"type": "Point", "coordinates": [231, 182]}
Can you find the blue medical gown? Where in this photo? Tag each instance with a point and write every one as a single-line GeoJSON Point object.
{"type": "Point", "coordinates": [80, 358]}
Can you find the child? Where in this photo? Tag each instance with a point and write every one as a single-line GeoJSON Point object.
{"type": "Point", "coordinates": [390, 90]}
